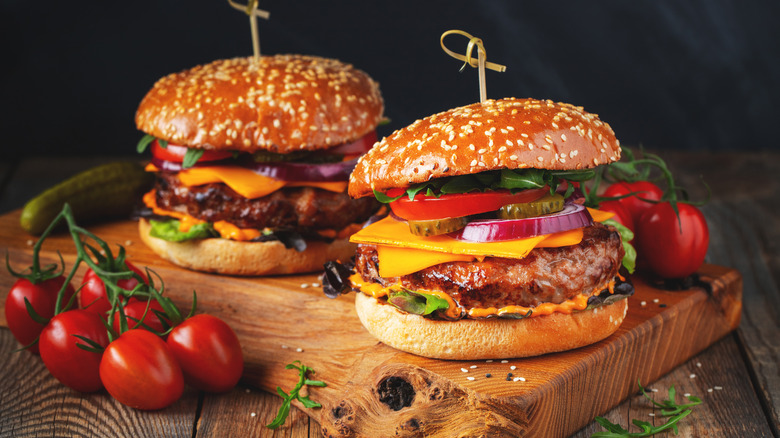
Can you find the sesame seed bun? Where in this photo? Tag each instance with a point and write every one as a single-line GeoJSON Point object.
{"type": "Point", "coordinates": [225, 256]}
{"type": "Point", "coordinates": [281, 103]}
{"type": "Point", "coordinates": [509, 133]}
{"type": "Point", "coordinates": [469, 339]}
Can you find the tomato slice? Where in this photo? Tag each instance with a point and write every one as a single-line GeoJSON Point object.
{"type": "Point", "coordinates": [176, 153]}
{"type": "Point", "coordinates": [425, 207]}
{"type": "Point", "coordinates": [357, 147]}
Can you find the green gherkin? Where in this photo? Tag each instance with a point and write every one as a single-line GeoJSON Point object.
{"type": "Point", "coordinates": [437, 226]}
{"type": "Point", "coordinates": [544, 205]}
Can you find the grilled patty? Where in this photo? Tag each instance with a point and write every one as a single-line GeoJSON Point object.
{"type": "Point", "coordinates": [295, 208]}
{"type": "Point", "coordinates": [545, 275]}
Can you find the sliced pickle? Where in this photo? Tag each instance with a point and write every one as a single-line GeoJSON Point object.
{"type": "Point", "coordinates": [437, 226]}
{"type": "Point", "coordinates": [545, 205]}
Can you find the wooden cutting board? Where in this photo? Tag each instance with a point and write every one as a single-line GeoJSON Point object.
{"type": "Point", "coordinates": [374, 390]}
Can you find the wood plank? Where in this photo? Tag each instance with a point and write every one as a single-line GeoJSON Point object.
{"type": "Point", "coordinates": [719, 379]}
{"type": "Point", "coordinates": [279, 321]}
{"type": "Point", "coordinates": [34, 403]}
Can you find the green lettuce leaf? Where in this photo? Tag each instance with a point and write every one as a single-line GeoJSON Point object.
{"type": "Point", "coordinates": [417, 303]}
{"type": "Point", "coordinates": [169, 230]}
{"type": "Point", "coordinates": [626, 235]}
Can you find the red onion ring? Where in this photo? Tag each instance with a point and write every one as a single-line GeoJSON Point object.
{"type": "Point", "coordinates": [326, 172]}
{"type": "Point", "coordinates": [491, 230]}
{"type": "Point", "coordinates": [305, 171]}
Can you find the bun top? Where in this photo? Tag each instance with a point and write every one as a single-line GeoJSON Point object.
{"type": "Point", "coordinates": [280, 103]}
{"type": "Point", "coordinates": [509, 133]}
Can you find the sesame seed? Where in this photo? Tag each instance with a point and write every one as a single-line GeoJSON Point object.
{"type": "Point", "coordinates": [651, 414]}
{"type": "Point", "coordinates": [464, 370]}
{"type": "Point", "coordinates": [656, 300]}
{"type": "Point", "coordinates": [718, 388]}
{"type": "Point", "coordinates": [489, 361]}
{"type": "Point", "coordinates": [473, 366]}
{"type": "Point", "coordinates": [469, 378]}
{"type": "Point", "coordinates": [687, 395]}
{"type": "Point", "coordinates": [692, 376]}
{"type": "Point", "coordinates": [709, 390]}
{"type": "Point", "coordinates": [488, 375]}
{"type": "Point", "coordinates": [304, 285]}
{"type": "Point", "coordinates": [253, 414]}
{"type": "Point", "coordinates": [698, 364]}
{"type": "Point", "coordinates": [643, 303]}
{"type": "Point", "coordinates": [513, 367]}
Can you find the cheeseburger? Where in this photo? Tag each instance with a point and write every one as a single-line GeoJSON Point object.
{"type": "Point", "coordinates": [252, 158]}
{"type": "Point", "coordinates": [488, 251]}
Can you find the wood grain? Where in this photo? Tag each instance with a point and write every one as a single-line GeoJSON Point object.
{"type": "Point", "coordinates": [279, 320]}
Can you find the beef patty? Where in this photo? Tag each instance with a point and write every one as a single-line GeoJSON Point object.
{"type": "Point", "coordinates": [545, 275]}
{"type": "Point", "coordinates": [296, 208]}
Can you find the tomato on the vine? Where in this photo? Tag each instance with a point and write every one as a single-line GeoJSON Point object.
{"type": "Point", "coordinates": [139, 370]}
{"type": "Point", "coordinates": [73, 366]}
{"type": "Point", "coordinates": [645, 193]}
{"type": "Point", "coordinates": [209, 353]}
{"type": "Point", "coordinates": [93, 295]}
{"type": "Point", "coordinates": [43, 297]}
{"type": "Point", "coordinates": [669, 247]}
{"type": "Point", "coordinates": [424, 207]}
{"type": "Point", "coordinates": [621, 213]}
{"type": "Point", "coordinates": [135, 309]}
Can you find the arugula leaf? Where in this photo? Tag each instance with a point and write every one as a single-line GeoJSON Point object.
{"type": "Point", "coordinates": [169, 230]}
{"type": "Point", "coordinates": [284, 410]}
{"type": "Point", "coordinates": [507, 179]}
{"type": "Point", "coordinates": [191, 157]}
{"type": "Point", "coordinates": [144, 143]}
{"type": "Point", "coordinates": [669, 408]}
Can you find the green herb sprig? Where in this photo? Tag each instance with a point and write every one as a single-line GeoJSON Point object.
{"type": "Point", "coordinates": [669, 408]}
{"type": "Point", "coordinates": [284, 410]}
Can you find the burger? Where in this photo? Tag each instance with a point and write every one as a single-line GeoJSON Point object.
{"type": "Point", "coordinates": [488, 251]}
{"type": "Point", "coordinates": [252, 158]}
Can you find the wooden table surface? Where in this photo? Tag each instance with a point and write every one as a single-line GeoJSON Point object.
{"type": "Point", "coordinates": [738, 378]}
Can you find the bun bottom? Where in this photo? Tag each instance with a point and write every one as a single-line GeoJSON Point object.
{"type": "Point", "coordinates": [224, 256]}
{"type": "Point", "coordinates": [471, 339]}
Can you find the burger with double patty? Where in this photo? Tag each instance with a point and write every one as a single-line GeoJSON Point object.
{"type": "Point", "coordinates": [252, 158]}
{"type": "Point", "coordinates": [488, 251]}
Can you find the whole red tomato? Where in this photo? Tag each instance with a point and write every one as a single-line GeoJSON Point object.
{"type": "Point", "coordinates": [209, 353]}
{"type": "Point", "coordinates": [635, 204]}
{"type": "Point", "coordinates": [670, 248]}
{"type": "Point", "coordinates": [71, 365]}
{"type": "Point", "coordinates": [139, 370]}
{"type": "Point", "coordinates": [135, 309]}
{"type": "Point", "coordinates": [93, 296]}
{"type": "Point", "coordinates": [621, 213]}
{"type": "Point", "coordinates": [43, 297]}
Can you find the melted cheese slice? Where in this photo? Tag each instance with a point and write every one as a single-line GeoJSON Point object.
{"type": "Point", "coordinates": [246, 182]}
{"type": "Point", "coordinates": [400, 252]}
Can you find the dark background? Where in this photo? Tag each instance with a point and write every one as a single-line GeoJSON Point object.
{"type": "Point", "coordinates": [666, 74]}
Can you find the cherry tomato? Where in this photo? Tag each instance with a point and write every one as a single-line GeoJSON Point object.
{"type": "Point", "coordinates": [621, 213]}
{"type": "Point", "coordinates": [357, 147]}
{"type": "Point", "coordinates": [93, 296]}
{"type": "Point", "coordinates": [139, 370]}
{"type": "Point", "coordinates": [425, 207]}
{"type": "Point", "coordinates": [71, 365]}
{"type": "Point", "coordinates": [636, 204]}
{"type": "Point", "coordinates": [668, 247]}
{"type": "Point", "coordinates": [209, 353]}
{"type": "Point", "coordinates": [135, 309]}
{"type": "Point", "coordinates": [43, 297]}
{"type": "Point", "coordinates": [176, 153]}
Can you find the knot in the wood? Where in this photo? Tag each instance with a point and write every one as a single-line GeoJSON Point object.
{"type": "Point", "coordinates": [395, 392]}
